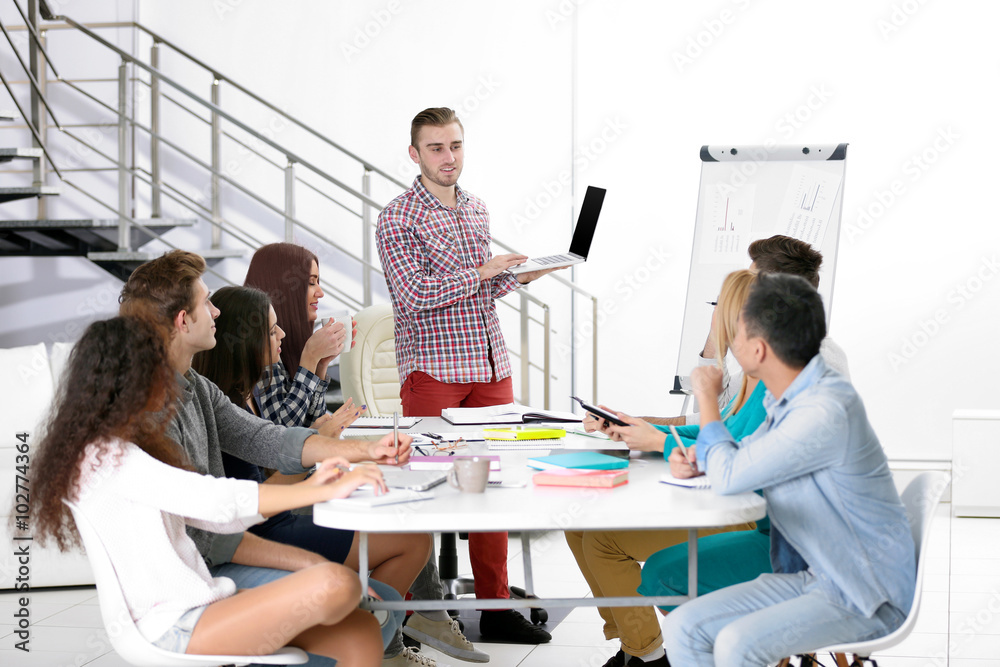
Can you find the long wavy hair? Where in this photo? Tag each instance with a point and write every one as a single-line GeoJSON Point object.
{"type": "Point", "coordinates": [282, 271]}
{"type": "Point", "coordinates": [118, 384]}
{"type": "Point", "coordinates": [732, 296]}
{"type": "Point", "coordinates": [242, 351]}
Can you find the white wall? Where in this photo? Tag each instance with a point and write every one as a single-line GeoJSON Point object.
{"type": "Point", "coordinates": [899, 80]}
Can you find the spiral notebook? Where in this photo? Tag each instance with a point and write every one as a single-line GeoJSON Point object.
{"type": "Point", "coordinates": [507, 445]}
{"type": "Point", "coordinates": [700, 482]}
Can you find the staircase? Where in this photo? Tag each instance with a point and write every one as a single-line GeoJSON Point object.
{"type": "Point", "coordinates": [161, 152]}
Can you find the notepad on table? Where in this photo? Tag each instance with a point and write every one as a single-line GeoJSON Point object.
{"type": "Point", "coordinates": [521, 445]}
{"type": "Point", "coordinates": [384, 422]}
{"type": "Point", "coordinates": [445, 462]}
{"type": "Point", "coordinates": [590, 478]}
{"type": "Point", "coordinates": [506, 414]}
{"type": "Point", "coordinates": [574, 460]}
{"type": "Point", "coordinates": [524, 433]}
{"type": "Point", "coordinates": [700, 482]}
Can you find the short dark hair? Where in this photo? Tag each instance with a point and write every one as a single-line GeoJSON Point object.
{"type": "Point", "coordinates": [787, 312]}
{"type": "Point", "coordinates": [783, 254]}
{"type": "Point", "coordinates": [436, 117]}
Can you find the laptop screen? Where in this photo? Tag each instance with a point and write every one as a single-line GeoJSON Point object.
{"type": "Point", "coordinates": [587, 222]}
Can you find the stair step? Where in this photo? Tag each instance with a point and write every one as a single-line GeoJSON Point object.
{"type": "Point", "coordinates": [10, 194]}
{"type": "Point", "coordinates": [76, 238]}
{"type": "Point", "coordinates": [8, 154]}
{"type": "Point", "coordinates": [122, 264]}
{"type": "Point", "coordinates": [87, 223]}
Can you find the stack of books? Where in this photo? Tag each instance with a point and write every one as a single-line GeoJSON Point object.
{"type": "Point", "coordinates": [589, 469]}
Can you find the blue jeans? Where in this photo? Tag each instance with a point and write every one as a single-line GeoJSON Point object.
{"type": "Point", "coordinates": [246, 576]}
{"type": "Point", "coordinates": [765, 620]}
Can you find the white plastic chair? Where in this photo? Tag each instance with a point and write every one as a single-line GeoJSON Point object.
{"type": "Point", "coordinates": [126, 639]}
{"type": "Point", "coordinates": [920, 498]}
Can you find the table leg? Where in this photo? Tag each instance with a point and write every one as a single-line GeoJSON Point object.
{"type": "Point", "coordinates": [363, 560]}
{"type": "Point", "coordinates": [529, 586]}
{"type": "Point", "coordinates": [692, 563]}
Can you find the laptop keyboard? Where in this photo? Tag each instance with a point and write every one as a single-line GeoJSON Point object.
{"type": "Point", "coordinates": [552, 259]}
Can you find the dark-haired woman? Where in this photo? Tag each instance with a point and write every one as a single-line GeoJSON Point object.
{"type": "Point", "coordinates": [106, 452]}
{"type": "Point", "coordinates": [289, 275]}
{"type": "Point", "coordinates": [248, 342]}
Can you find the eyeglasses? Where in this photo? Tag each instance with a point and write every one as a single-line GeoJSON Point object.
{"type": "Point", "coordinates": [450, 446]}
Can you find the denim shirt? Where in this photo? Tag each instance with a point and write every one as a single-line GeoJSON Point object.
{"type": "Point", "coordinates": [830, 496]}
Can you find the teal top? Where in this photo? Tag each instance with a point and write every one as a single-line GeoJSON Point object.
{"type": "Point", "coordinates": [740, 425]}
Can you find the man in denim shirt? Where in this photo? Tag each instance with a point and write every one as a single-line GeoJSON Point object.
{"type": "Point", "coordinates": [841, 548]}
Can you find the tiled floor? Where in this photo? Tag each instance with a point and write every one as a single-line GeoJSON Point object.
{"type": "Point", "coordinates": [959, 624]}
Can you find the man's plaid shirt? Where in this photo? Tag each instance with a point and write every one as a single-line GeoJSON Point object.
{"type": "Point", "coordinates": [296, 403]}
{"type": "Point", "coordinates": [446, 320]}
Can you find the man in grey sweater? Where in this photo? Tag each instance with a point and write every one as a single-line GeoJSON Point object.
{"type": "Point", "coordinates": [170, 290]}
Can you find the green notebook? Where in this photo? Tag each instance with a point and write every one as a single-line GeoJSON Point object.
{"type": "Point", "coordinates": [588, 460]}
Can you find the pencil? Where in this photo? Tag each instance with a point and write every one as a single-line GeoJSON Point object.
{"type": "Point", "coordinates": [684, 450]}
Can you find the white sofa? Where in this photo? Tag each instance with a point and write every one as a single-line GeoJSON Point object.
{"type": "Point", "coordinates": [28, 377]}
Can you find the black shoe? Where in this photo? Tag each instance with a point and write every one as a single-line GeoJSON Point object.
{"type": "Point", "coordinates": [510, 627]}
{"type": "Point", "coordinates": [617, 660]}
{"type": "Point", "coordinates": [633, 661]}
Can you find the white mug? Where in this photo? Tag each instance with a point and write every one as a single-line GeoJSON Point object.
{"type": "Point", "coordinates": [345, 317]}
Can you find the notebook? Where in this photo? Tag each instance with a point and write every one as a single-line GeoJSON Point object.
{"type": "Point", "coordinates": [443, 462]}
{"type": "Point", "coordinates": [511, 445]}
{"type": "Point", "coordinates": [384, 422]}
{"type": "Point", "coordinates": [588, 460]}
{"type": "Point", "coordinates": [602, 479]}
{"type": "Point", "coordinates": [586, 224]}
{"type": "Point", "coordinates": [524, 433]}
{"type": "Point", "coordinates": [700, 482]}
{"type": "Point", "coordinates": [506, 414]}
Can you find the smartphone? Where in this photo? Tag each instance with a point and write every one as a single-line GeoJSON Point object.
{"type": "Point", "coordinates": [599, 412]}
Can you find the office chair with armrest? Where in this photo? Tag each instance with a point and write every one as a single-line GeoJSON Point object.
{"type": "Point", "coordinates": [126, 639]}
{"type": "Point", "coordinates": [920, 498]}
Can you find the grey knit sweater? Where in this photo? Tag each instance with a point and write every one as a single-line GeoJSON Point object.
{"type": "Point", "coordinates": [207, 424]}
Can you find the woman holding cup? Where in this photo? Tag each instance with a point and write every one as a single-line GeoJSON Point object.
{"type": "Point", "coordinates": [289, 275]}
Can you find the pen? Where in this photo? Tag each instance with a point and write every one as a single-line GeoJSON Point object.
{"type": "Point", "coordinates": [684, 450]}
{"type": "Point", "coordinates": [419, 451]}
{"type": "Point", "coordinates": [395, 434]}
{"type": "Point", "coordinates": [712, 303]}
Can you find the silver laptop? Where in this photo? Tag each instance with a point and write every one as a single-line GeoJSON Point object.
{"type": "Point", "coordinates": [413, 480]}
{"type": "Point", "coordinates": [586, 223]}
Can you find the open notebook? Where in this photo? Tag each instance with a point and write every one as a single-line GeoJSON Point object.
{"type": "Point", "coordinates": [700, 482]}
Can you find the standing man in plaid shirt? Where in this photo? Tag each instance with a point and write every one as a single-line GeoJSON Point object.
{"type": "Point", "coordinates": [434, 243]}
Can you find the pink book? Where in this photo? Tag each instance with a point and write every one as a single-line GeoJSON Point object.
{"type": "Point", "coordinates": [594, 478]}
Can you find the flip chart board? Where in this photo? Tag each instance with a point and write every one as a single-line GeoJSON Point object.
{"type": "Point", "coordinates": [753, 192]}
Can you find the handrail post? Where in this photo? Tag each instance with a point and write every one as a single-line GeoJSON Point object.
{"type": "Point", "coordinates": [216, 166]}
{"type": "Point", "coordinates": [593, 300]}
{"type": "Point", "coordinates": [289, 201]}
{"type": "Point", "coordinates": [525, 350]}
{"type": "Point", "coordinates": [124, 233]}
{"type": "Point", "coordinates": [38, 117]}
{"type": "Point", "coordinates": [547, 369]}
{"type": "Point", "coordinates": [366, 238]}
{"type": "Point", "coordinates": [154, 124]}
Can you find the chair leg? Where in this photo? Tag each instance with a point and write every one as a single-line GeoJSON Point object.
{"type": "Point", "coordinates": [784, 662]}
{"type": "Point", "coordinates": [842, 660]}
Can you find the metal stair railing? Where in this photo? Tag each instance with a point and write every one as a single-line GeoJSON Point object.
{"type": "Point", "coordinates": [152, 177]}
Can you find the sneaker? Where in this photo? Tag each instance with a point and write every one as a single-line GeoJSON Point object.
{"type": "Point", "coordinates": [445, 636]}
{"type": "Point", "coordinates": [510, 627]}
{"type": "Point", "coordinates": [622, 659]}
{"type": "Point", "coordinates": [410, 658]}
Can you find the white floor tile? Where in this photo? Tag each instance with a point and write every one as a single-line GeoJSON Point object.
{"type": "Point", "coordinates": [79, 616]}
{"type": "Point", "coordinates": [566, 656]}
{"type": "Point", "coordinates": [37, 611]}
{"type": "Point", "coordinates": [36, 658]}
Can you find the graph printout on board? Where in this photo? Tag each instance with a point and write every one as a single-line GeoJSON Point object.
{"type": "Point", "coordinates": [808, 204]}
